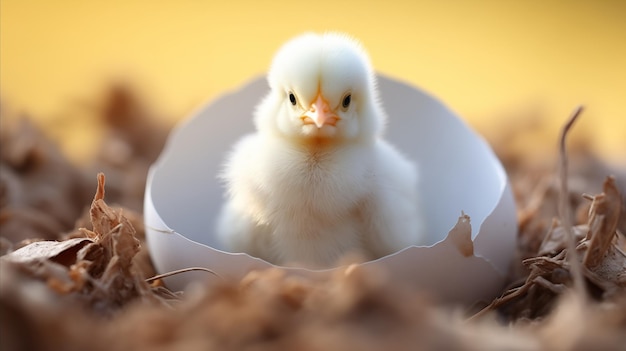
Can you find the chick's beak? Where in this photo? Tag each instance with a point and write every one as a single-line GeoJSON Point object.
{"type": "Point", "coordinates": [320, 114]}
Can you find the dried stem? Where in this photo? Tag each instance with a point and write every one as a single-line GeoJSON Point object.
{"type": "Point", "coordinates": [179, 271]}
{"type": "Point", "coordinates": [564, 210]}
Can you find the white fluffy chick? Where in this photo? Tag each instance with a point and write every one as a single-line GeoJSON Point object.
{"type": "Point", "coordinates": [317, 181]}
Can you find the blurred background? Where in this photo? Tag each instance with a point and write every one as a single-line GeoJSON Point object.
{"type": "Point", "coordinates": [499, 64]}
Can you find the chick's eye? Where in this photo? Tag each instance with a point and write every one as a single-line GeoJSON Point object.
{"type": "Point", "coordinates": [346, 101]}
{"type": "Point", "coordinates": [292, 99]}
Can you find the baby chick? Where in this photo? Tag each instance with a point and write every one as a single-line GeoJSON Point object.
{"type": "Point", "coordinates": [316, 180]}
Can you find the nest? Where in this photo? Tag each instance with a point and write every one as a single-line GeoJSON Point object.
{"type": "Point", "coordinates": [94, 287]}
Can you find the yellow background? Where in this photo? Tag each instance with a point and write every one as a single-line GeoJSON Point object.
{"type": "Point", "coordinates": [485, 59]}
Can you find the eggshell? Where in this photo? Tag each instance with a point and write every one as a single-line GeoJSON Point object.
{"type": "Point", "coordinates": [459, 174]}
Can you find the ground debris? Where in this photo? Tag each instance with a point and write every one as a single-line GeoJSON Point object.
{"type": "Point", "coordinates": [598, 246]}
{"type": "Point", "coordinates": [41, 193]}
{"type": "Point", "coordinates": [90, 289]}
{"type": "Point", "coordinates": [95, 267]}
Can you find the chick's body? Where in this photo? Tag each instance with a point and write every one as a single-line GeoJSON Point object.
{"type": "Point", "coordinates": [317, 181]}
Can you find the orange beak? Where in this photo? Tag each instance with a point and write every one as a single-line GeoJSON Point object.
{"type": "Point", "coordinates": [320, 114]}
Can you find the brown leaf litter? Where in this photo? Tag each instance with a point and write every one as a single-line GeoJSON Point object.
{"type": "Point", "coordinates": [90, 291]}
{"type": "Point", "coordinates": [95, 267]}
{"type": "Point", "coordinates": [41, 194]}
{"type": "Point", "coordinates": [604, 261]}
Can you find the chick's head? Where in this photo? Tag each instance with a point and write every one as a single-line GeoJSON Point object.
{"type": "Point", "coordinates": [321, 87]}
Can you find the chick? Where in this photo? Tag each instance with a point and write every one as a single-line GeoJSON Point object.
{"type": "Point", "coordinates": [317, 181]}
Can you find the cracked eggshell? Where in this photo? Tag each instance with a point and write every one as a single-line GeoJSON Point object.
{"type": "Point", "coordinates": [459, 173]}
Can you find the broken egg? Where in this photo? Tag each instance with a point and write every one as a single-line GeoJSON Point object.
{"type": "Point", "coordinates": [471, 221]}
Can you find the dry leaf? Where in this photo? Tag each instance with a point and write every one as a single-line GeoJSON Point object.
{"type": "Point", "coordinates": [555, 241]}
{"type": "Point", "coordinates": [603, 219]}
{"type": "Point", "coordinates": [63, 252]}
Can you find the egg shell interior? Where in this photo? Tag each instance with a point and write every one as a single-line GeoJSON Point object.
{"type": "Point", "coordinates": [459, 173]}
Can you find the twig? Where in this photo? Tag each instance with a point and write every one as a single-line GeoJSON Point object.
{"type": "Point", "coordinates": [564, 210]}
{"type": "Point", "coordinates": [179, 271]}
{"type": "Point", "coordinates": [588, 197]}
